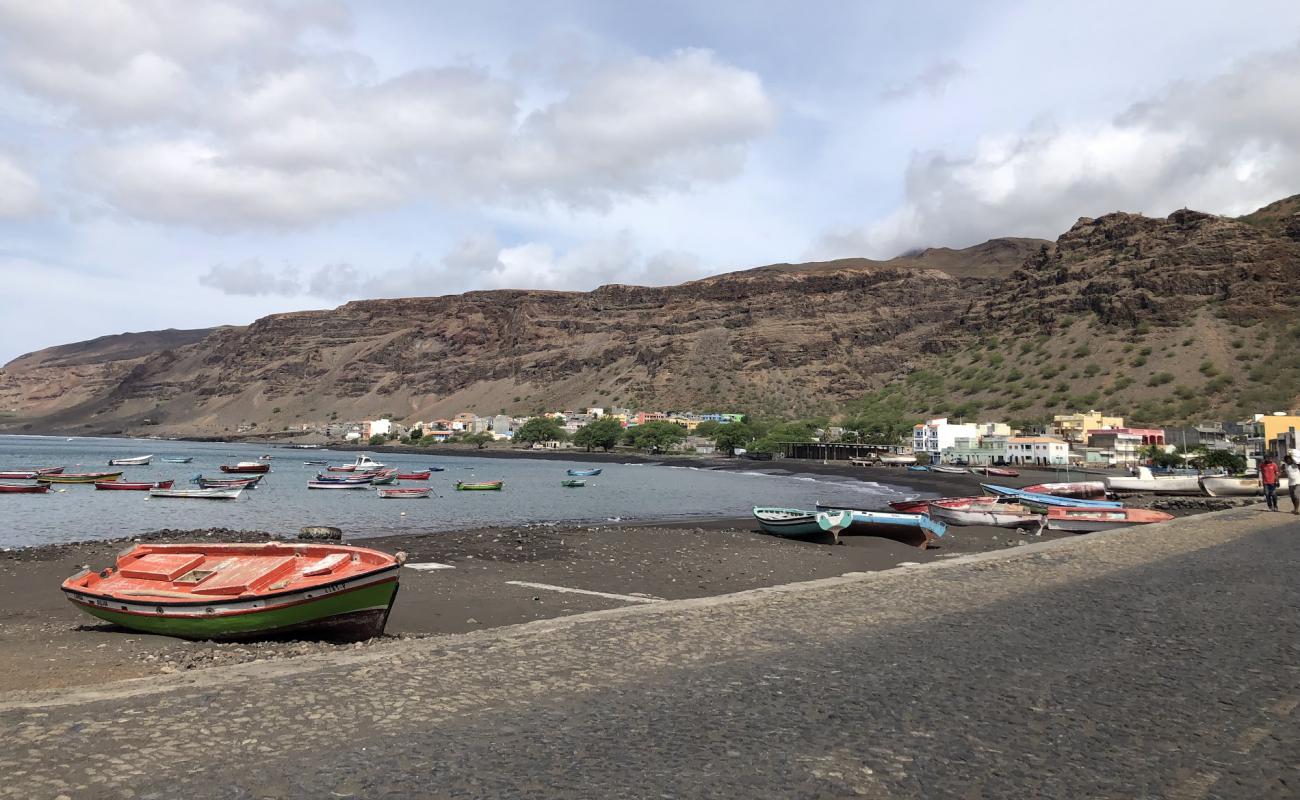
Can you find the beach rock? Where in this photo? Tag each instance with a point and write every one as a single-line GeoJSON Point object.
{"type": "Point", "coordinates": [320, 533]}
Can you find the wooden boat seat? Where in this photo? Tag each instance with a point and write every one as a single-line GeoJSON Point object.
{"type": "Point", "coordinates": [247, 575]}
{"type": "Point", "coordinates": [161, 566]}
{"type": "Point", "coordinates": [327, 564]}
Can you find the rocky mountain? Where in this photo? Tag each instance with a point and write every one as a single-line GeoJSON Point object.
{"type": "Point", "coordinates": [1177, 317]}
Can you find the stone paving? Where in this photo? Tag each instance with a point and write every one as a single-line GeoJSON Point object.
{"type": "Point", "coordinates": [1162, 662]}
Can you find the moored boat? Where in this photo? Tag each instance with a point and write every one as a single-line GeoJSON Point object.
{"type": "Point", "coordinates": [24, 488]}
{"type": "Point", "coordinates": [1084, 520]}
{"type": "Point", "coordinates": [583, 473]}
{"type": "Point", "coordinates": [573, 483]}
{"type": "Point", "coordinates": [479, 486]}
{"type": "Point", "coordinates": [435, 468]}
{"type": "Point", "coordinates": [996, 515]}
{"type": "Point", "coordinates": [1238, 485]}
{"type": "Point", "coordinates": [1084, 490]}
{"type": "Point", "coordinates": [413, 476]}
{"type": "Point", "coordinates": [914, 529]}
{"type": "Point", "coordinates": [79, 477]}
{"type": "Point", "coordinates": [183, 460]}
{"type": "Point", "coordinates": [341, 468]}
{"type": "Point", "coordinates": [123, 486]}
{"type": "Point", "coordinates": [317, 463]}
{"type": "Point", "coordinates": [383, 477]}
{"type": "Point", "coordinates": [137, 461]}
{"type": "Point", "coordinates": [338, 484]}
{"type": "Point", "coordinates": [227, 483]}
{"type": "Point", "coordinates": [250, 467]}
{"type": "Point", "coordinates": [242, 591]}
{"type": "Point", "coordinates": [1147, 481]}
{"type": "Point", "coordinates": [198, 494]}
{"type": "Point", "coordinates": [29, 474]}
{"type": "Point", "coordinates": [404, 492]}
{"type": "Point", "coordinates": [788, 521]}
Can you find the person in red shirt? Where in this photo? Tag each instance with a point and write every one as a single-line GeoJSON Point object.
{"type": "Point", "coordinates": [1268, 475]}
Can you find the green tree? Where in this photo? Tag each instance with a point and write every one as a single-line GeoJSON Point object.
{"type": "Point", "coordinates": [603, 433]}
{"type": "Point", "coordinates": [707, 428]}
{"type": "Point", "coordinates": [540, 429]}
{"type": "Point", "coordinates": [1221, 459]}
{"type": "Point", "coordinates": [378, 439]}
{"type": "Point", "coordinates": [655, 436]}
{"type": "Point", "coordinates": [1159, 458]}
{"type": "Point", "coordinates": [731, 436]}
{"type": "Point", "coordinates": [479, 440]}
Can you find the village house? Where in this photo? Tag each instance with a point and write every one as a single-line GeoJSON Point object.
{"type": "Point", "coordinates": [932, 437]}
{"type": "Point", "coordinates": [1118, 447]}
{"type": "Point", "coordinates": [1040, 450]}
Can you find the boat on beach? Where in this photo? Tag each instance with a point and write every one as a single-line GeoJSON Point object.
{"type": "Point", "coordinates": [1238, 485]}
{"type": "Point", "coordinates": [479, 486]}
{"type": "Point", "coordinates": [997, 472]}
{"type": "Point", "coordinates": [1085, 520]}
{"type": "Point", "coordinates": [583, 473]}
{"type": "Point", "coordinates": [788, 521]}
{"type": "Point", "coordinates": [246, 467]}
{"type": "Point", "coordinates": [918, 530]}
{"type": "Point", "coordinates": [243, 591]}
{"type": "Point", "coordinates": [29, 474]}
{"type": "Point", "coordinates": [1033, 499]}
{"type": "Point", "coordinates": [79, 477]}
{"type": "Point", "coordinates": [404, 492]}
{"type": "Point", "coordinates": [123, 486]}
{"type": "Point", "coordinates": [24, 488]}
{"type": "Point", "coordinates": [1147, 481]}
{"type": "Point", "coordinates": [137, 461]}
{"type": "Point", "coordinates": [995, 515]}
{"type": "Point", "coordinates": [922, 506]}
{"type": "Point", "coordinates": [1084, 490]}
{"type": "Point", "coordinates": [573, 483]}
{"type": "Point", "coordinates": [198, 494]}
{"type": "Point", "coordinates": [947, 470]}
{"type": "Point", "coordinates": [919, 468]}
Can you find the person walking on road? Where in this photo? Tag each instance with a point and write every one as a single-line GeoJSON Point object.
{"type": "Point", "coordinates": [1293, 479]}
{"type": "Point", "coordinates": [1268, 475]}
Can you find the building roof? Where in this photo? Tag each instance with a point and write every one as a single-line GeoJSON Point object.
{"type": "Point", "coordinates": [1036, 440]}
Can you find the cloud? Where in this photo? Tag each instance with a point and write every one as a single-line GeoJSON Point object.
{"type": "Point", "coordinates": [20, 194]}
{"type": "Point", "coordinates": [250, 279]}
{"type": "Point", "coordinates": [933, 81]}
{"type": "Point", "coordinates": [234, 116]}
{"type": "Point", "coordinates": [1226, 145]}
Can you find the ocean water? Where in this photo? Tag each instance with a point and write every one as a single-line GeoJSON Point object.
{"type": "Point", "coordinates": [283, 503]}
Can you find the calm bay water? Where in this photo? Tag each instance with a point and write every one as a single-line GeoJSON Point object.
{"type": "Point", "coordinates": [283, 503]}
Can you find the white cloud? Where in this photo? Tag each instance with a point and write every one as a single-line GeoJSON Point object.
{"type": "Point", "coordinates": [1227, 145]}
{"type": "Point", "coordinates": [932, 81]}
{"type": "Point", "coordinates": [20, 194]}
{"type": "Point", "coordinates": [239, 115]}
{"type": "Point", "coordinates": [249, 278]}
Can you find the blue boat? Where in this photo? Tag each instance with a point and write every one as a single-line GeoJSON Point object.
{"type": "Point", "coordinates": [919, 468]}
{"type": "Point", "coordinates": [914, 529]}
{"type": "Point", "coordinates": [435, 468]}
{"type": "Point", "coordinates": [1047, 500]}
{"type": "Point", "coordinates": [788, 521]}
{"type": "Point", "coordinates": [583, 473]}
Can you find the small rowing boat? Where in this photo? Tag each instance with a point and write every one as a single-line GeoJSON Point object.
{"type": "Point", "coordinates": [242, 591]}
{"type": "Point", "coordinates": [573, 483]}
{"type": "Point", "coordinates": [24, 488]}
{"type": "Point", "coordinates": [198, 494]}
{"type": "Point", "coordinates": [338, 484]}
{"type": "Point", "coordinates": [435, 468]}
{"type": "Point", "coordinates": [29, 474]}
{"type": "Point", "coordinates": [384, 477]}
{"type": "Point", "coordinates": [413, 476]}
{"type": "Point", "coordinates": [1084, 490]}
{"type": "Point", "coordinates": [918, 468]}
{"type": "Point", "coordinates": [1035, 500]}
{"type": "Point", "coordinates": [996, 515]}
{"type": "Point", "coordinates": [914, 529]}
{"type": "Point", "coordinates": [583, 473]}
{"type": "Point", "coordinates": [998, 472]}
{"type": "Point", "coordinates": [316, 463]}
{"type": "Point", "coordinates": [123, 486]}
{"type": "Point", "coordinates": [137, 461]}
{"type": "Point", "coordinates": [79, 477]}
{"type": "Point", "coordinates": [227, 483]}
{"type": "Point", "coordinates": [949, 470]}
{"type": "Point", "coordinates": [250, 467]}
{"type": "Point", "coordinates": [1147, 481]}
{"type": "Point", "coordinates": [184, 460]}
{"type": "Point", "coordinates": [341, 468]}
{"type": "Point", "coordinates": [1238, 485]}
{"type": "Point", "coordinates": [404, 492]}
{"type": "Point", "coordinates": [1085, 520]}
{"type": "Point", "coordinates": [921, 506]}
{"type": "Point", "coordinates": [788, 521]}
{"type": "Point", "coordinates": [480, 486]}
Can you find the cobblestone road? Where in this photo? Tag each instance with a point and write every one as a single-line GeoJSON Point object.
{"type": "Point", "coordinates": [1154, 663]}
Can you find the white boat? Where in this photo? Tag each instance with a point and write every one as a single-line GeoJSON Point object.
{"type": "Point", "coordinates": [1237, 485]}
{"type": "Point", "coordinates": [137, 461]}
{"type": "Point", "coordinates": [365, 463]}
{"type": "Point", "coordinates": [950, 470]}
{"type": "Point", "coordinates": [1087, 520]}
{"type": "Point", "coordinates": [897, 461]}
{"type": "Point", "coordinates": [1159, 484]}
{"type": "Point", "coordinates": [995, 515]}
{"type": "Point", "coordinates": [198, 494]}
{"type": "Point", "coordinates": [363, 484]}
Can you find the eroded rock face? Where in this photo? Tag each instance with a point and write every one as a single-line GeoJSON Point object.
{"type": "Point", "coordinates": [784, 338]}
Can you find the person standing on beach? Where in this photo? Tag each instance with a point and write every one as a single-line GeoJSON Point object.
{"type": "Point", "coordinates": [1268, 475]}
{"type": "Point", "coordinates": [1293, 478]}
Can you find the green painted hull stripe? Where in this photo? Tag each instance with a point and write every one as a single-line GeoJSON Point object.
{"type": "Point", "coordinates": [375, 596]}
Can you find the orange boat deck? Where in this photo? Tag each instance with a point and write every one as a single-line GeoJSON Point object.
{"type": "Point", "coordinates": [203, 573]}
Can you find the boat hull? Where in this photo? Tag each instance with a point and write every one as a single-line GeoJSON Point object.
{"type": "Point", "coordinates": [85, 477]}
{"type": "Point", "coordinates": [797, 526]}
{"type": "Point", "coordinates": [338, 484]}
{"type": "Point", "coordinates": [993, 516]}
{"type": "Point", "coordinates": [197, 494]}
{"type": "Point", "coordinates": [1227, 486]}
{"type": "Point", "coordinates": [37, 488]}
{"type": "Point", "coordinates": [1170, 484]}
{"type": "Point", "coordinates": [405, 494]}
{"type": "Point", "coordinates": [479, 487]}
{"type": "Point", "coordinates": [138, 461]}
{"type": "Point", "coordinates": [583, 473]}
{"type": "Point", "coordinates": [249, 469]}
{"type": "Point", "coordinates": [356, 612]}
{"type": "Point", "coordinates": [1080, 520]}
{"type": "Point", "coordinates": [1081, 490]}
{"type": "Point", "coordinates": [918, 530]}
{"type": "Point", "coordinates": [119, 486]}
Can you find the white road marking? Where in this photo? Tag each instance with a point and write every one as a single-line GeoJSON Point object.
{"type": "Point", "coordinates": [428, 566]}
{"type": "Point", "coordinates": [630, 598]}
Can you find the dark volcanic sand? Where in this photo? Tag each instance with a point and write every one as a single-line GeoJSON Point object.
{"type": "Point", "coordinates": [45, 642]}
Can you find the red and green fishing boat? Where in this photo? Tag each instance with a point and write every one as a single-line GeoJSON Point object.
{"type": "Point", "coordinates": [243, 591]}
{"type": "Point", "coordinates": [79, 477]}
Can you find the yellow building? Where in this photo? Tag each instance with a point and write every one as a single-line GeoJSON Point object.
{"type": "Point", "coordinates": [1075, 427]}
{"type": "Point", "coordinates": [1273, 426]}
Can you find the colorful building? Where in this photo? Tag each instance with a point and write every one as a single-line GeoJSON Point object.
{"type": "Point", "coordinates": [1043, 450]}
{"type": "Point", "coordinates": [1074, 427]}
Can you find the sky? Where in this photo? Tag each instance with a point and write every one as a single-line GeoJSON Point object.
{"type": "Point", "coordinates": [188, 163]}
